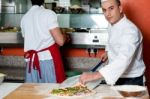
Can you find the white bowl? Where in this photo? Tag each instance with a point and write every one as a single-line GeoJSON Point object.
{"type": "Point", "coordinates": [2, 77]}
{"type": "Point", "coordinates": [130, 90]}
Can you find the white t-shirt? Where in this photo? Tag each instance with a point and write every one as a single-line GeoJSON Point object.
{"type": "Point", "coordinates": [35, 26]}
{"type": "Point", "coordinates": [124, 52]}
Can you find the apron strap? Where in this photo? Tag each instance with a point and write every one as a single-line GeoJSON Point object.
{"type": "Point", "coordinates": [58, 64]}
{"type": "Point", "coordinates": [59, 68]}
{"type": "Point", "coordinates": [36, 64]}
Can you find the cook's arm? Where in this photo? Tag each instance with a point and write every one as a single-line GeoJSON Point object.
{"type": "Point", "coordinates": [58, 36]}
{"type": "Point", "coordinates": [90, 76]}
{"type": "Point", "coordinates": [53, 27]}
{"type": "Point", "coordinates": [113, 71]}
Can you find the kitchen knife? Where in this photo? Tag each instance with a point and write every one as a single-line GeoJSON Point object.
{"type": "Point", "coordinates": [71, 81]}
{"type": "Point", "coordinates": [98, 65]}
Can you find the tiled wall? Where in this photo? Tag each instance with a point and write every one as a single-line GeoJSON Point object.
{"type": "Point", "coordinates": [14, 66]}
{"type": "Point", "coordinates": [12, 61]}
{"type": "Point", "coordinates": [81, 63]}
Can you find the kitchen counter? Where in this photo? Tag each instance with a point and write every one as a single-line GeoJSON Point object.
{"type": "Point", "coordinates": [41, 91]}
{"type": "Point", "coordinates": [6, 88]}
{"type": "Point", "coordinates": [15, 39]}
{"type": "Point", "coordinates": [11, 39]}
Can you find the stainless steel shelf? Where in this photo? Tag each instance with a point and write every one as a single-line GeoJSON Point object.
{"type": "Point", "coordinates": [15, 39]}
{"type": "Point", "coordinates": [11, 39]}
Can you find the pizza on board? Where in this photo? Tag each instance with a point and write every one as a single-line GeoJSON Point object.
{"type": "Point", "coordinates": [78, 90]}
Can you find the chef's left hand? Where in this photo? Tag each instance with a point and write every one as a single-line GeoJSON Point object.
{"type": "Point", "coordinates": [89, 76]}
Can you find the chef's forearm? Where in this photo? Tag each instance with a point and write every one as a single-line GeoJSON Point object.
{"type": "Point", "coordinates": [58, 36]}
{"type": "Point", "coordinates": [98, 75]}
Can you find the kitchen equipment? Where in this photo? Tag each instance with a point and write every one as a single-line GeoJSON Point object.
{"type": "Point", "coordinates": [20, 6]}
{"type": "Point", "coordinates": [51, 5]}
{"type": "Point", "coordinates": [13, 6]}
{"type": "Point", "coordinates": [130, 90]}
{"type": "Point", "coordinates": [59, 9]}
{"type": "Point", "coordinates": [85, 38]}
{"type": "Point", "coordinates": [71, 81]}
{"type": "Point", "coordinates": [7, 6]}
{"type": "Point", "coordinates": [75, 9]}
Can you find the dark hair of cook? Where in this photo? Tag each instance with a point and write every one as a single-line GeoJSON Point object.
{"type": "Point", "coordinates": [37, 2]}
{"type": "Point", "coordinates": [118, 2]}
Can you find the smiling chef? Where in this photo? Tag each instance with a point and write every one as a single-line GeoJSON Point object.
{"type": "Point", "coordinates": [123, 50]}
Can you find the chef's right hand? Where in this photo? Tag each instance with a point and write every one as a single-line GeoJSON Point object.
{"type": "Point", "coordinates": [89, 76]}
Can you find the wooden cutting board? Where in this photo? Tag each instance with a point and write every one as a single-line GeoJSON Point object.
{"type": "Point", "coordinates": [42, 91]}
{"type": "Point", "coordinates": [32, 91]}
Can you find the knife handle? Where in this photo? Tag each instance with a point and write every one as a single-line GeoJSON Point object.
{"type": "Point", "coordinates": [98, 65]}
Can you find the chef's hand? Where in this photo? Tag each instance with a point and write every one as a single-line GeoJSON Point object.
{"type": "Point", "coordinates": [104, 57]}
{"type": "Point", "coordinates": [67, 38]}
{"type": "Point", "coordinates": [89, 76]}
{"type": "Point", "coordinates": [65, 35]}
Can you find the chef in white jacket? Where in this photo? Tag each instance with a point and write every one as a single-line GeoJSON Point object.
{"type": "Point", "coordinates": [123, 51]}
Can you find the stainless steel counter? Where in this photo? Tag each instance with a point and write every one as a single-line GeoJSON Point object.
{"type": "Point", "coordinates": [78, 40]}
{"type": "Point", "coordinates": [11, 39]}
{"type": "Point", "coordinates": [86, 38]}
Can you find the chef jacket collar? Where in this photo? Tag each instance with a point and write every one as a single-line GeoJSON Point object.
{"type": "Point", "coordinates": [119, 22]}
{"type": "Point", "coordinates": [35, 7]}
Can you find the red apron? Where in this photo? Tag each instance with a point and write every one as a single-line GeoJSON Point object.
{"type": "Point", "coordinates": [58, 64]}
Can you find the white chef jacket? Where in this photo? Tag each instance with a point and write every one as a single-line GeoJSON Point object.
{"type": "Point", "coordinates": [124, 51]}
{"type": "Point", "coordinates": [35, 26]}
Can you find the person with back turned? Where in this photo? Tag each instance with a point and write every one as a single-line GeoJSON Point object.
{"type": "Point", "coordinates": [42, 38]}
{"type": "Point", "coordinates": [123, 51]}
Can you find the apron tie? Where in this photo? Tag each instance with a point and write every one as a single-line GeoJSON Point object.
{"type": "Point", "coordinates": [36, 64]}
{"type": "Point", "coordinates": [58, 64]}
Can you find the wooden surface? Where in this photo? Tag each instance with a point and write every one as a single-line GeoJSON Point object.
{"type": "Point", "coordinates": [31, 91]}
{"type": "Point", "coordinates": [42, 91]}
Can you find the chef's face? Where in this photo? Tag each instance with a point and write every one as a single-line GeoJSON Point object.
{"type": "Point", "coordinates": [112, 11]}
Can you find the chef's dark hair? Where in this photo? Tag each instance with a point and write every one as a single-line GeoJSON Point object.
{"type": "Point", "coordinates": [37, 2]}
{"type": "Point", "coordinates": [118, 2]}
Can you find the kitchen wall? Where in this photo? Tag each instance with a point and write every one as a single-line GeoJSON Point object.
{"type": "Point", "coordinates": [138, 12]}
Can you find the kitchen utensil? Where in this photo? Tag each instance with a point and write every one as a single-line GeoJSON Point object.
{"type": "Point", "coordinates": [76, 10]}
{"type": "Point", "coordinates": [59, 9]}
{"type": "Point", "coordinates": [95, 67]}
{"type": "Point", "coordinates": [71, 81]}
{"type": "Point", "coordinates": [130, 90]}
